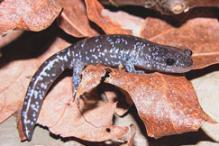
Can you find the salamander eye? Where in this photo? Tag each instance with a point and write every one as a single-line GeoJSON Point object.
{"type": "Point", "coordinates": [170, 61]}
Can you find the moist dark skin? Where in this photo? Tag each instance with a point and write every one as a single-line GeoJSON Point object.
{"type": "Point", "coordinates": [109, 50]}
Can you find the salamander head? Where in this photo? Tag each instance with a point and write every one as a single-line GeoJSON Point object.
{"type": "Point", "coordinates": [169, 59]}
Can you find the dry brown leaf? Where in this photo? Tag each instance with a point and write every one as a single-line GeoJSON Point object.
{"type": "Point", "coordinates": [208, 98]}
{"type": "Point", "coordinates": [74, 20]}
{"type": "Point", "coordinates": [166, 104]}
{"type": "Point", "coordinates": [129, 22]}
{"type": "Point", "coordinates": [94, 12]}
{"type": "Point", "coordinates": [197, 34]}
{"type": "Point", "coordinates": [14, 85]}
{"type": "Point", "coordinates": [67, 120]}
{"type": "Point", "coordinates": [11, 36]}
{"type": "Point", "coordinates": [27, 14]}
{"type": "Point", "coordinates": [180, 109]}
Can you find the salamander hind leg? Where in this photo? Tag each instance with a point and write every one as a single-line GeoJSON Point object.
{"type": "Point", "coordinates": [76, 77]}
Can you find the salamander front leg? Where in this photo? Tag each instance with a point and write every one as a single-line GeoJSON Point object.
{"type": "Point", "coordinates": [76, 77]}
{"type": "Point", "coordinates": [129, 66]}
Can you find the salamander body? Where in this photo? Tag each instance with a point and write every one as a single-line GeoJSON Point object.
{"type": "Point", "coordinates": [110, 50]}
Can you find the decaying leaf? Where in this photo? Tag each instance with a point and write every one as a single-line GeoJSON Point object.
{"type": "Point", "coordinates": [208, 98]}
{"type": "Point", "coordinates": [10, 37]}
{"type": "Point", "coordinates": [129, 22]}
{"type": "Point", "coordinates": [67, 119]}
{"type": "Point", "coordinates": [13, 85]}
{"type": "Point", "coordinates": [11, 96]}
{"type": "Point", "coordinates": [94, 10]}
{"type": "Point", "coordinates": [167, 104]}
{"type": "Point", "coordinates": [74, 20]}
{"type": "Point", "coordinates": [27, 14]}
{"type": "Point", "coordinates": [162, 100]}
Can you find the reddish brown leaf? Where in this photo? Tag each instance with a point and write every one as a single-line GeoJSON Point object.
{"type": "Point", "coordinates": [91, 78]}
{"type": "Point", "coordinates": [27, 14]}
{"type": "Point", "coordinates": [167, 104]}
{"type": "Point", "coordinates": [94, 11]}
{"type": "Point", "coordinates": [171, 98]}
{"type": "Point", "coordinates": [74, 20]}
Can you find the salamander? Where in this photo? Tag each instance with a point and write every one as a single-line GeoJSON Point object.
{"type": "Point", "coordinates": [134, 53]}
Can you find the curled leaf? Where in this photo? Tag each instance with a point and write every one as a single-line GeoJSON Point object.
{"type": "Point", "coordinates": [27, 14]}
{"type": "Point", "coordinates": [94, 11]}
{"type": "Point", "coordinates": [74, 20]}
{"type": "Point", "coordinates": [166, 104]}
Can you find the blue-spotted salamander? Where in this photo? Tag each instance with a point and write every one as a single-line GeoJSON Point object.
{"type": "Point", "coordinates": [110, 50]}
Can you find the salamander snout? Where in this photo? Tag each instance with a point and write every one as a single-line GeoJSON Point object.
{"type": "Point", "coordinates": [187, 52]}
{"type": "Point", "coordinates": [187, 57]}
{"type": "Point", "coordinates": [171, 59]}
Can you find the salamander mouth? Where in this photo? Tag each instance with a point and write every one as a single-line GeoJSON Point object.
{"type": "Point", "coordinates": [175, 69]}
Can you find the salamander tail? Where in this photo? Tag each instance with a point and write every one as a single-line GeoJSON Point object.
{"type": "Point", "coordinates": [38, 88]}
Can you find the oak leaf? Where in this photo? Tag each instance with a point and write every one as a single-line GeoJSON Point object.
{"type": "Point", "coordinates": [27, 14]}
{"type": "Point", "coordinates": [74, 19]}
{"type": "Point", "coordinates": [176, 110]}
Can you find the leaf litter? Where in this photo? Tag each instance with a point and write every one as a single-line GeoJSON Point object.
{"type": "Point", "coordinates": [181, 111]}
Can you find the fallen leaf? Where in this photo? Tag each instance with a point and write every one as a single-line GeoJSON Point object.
{"type": "Point", "coordinates": [27, 14]}
{"type": "Point", "coordinates": [166, 104]}
{"type": "Point", "coordinates": [40, 137]}
{"type": "Point", "coordinates": [129, 22]}
{"type": "Point", "coordinates": [94, 12]}
{"type": "Point", "coordinates": [9, 37]}
{"type": "Point", "coordinates": [211, 130]}
{"type": "Point", "coordinates": [208, 98]}
{"type": "Point", "coordinates": [137, 135]}
{"type": "Point", "coordinates": [158, 93]}
{"type": "Point", "coordinates": [131, 136]}
{"type": "Point", "coordinates": [12, 84]}
{"type": "Point", "coordinates": [74, 20]}
{"type": "Point", "coordinates": [67, 119]}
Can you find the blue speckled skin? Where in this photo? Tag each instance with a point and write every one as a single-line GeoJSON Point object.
{"type": "Point", "coordinates": [110, 50]}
